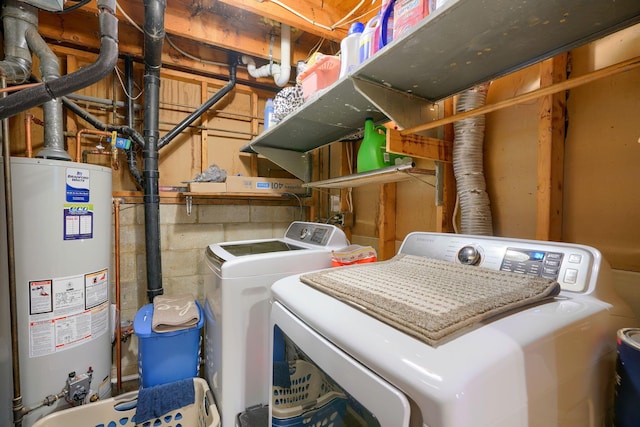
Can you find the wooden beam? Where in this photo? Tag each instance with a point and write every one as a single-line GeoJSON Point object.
{"type": "Point", "coordinates": [571, 83]}
{"type": "Point", "coordinates": [322, 13]}
{"type": "Point", "coordinates": [419, 146]}
{"type": "Point", "coordinates": [206, 33]}
{"type": "Point", "coordinates": [387, 221]}
{"type": "Point", "coordinates": [444, 212]}
{"type": "Point", "coordinates": [551, 135]}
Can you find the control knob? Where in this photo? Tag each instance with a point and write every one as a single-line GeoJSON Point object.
{"type": "Point", "coordinates": [469, 255]}
{"type": "Point", "coordinates": [304, 232]}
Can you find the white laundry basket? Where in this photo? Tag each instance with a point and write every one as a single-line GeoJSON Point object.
{"type": "Point", "coordinates": [119, 411]}
{"type": "Point", "coordinates": [311, 401]}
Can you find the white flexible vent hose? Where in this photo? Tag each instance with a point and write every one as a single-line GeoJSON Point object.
{"type": "Point", "coordinates": [475, 212]}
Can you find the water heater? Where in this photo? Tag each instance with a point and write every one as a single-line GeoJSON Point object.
{"type": "Point", "coordinates": [62, 230]}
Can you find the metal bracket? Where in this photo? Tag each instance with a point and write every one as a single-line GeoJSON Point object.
{"type": "Point", "coordinates": [299, 164]}
{"type": "Point", "coordinates": [189, 203]}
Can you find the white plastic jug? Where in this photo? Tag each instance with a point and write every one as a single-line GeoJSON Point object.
{"type": "Point", "coordinates": [350, 49]}
{"type": "Point", "coordinates": [366, 39]}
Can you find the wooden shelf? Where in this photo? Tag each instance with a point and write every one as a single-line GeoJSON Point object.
{"type": "Point", "coordinates": [378, 176]}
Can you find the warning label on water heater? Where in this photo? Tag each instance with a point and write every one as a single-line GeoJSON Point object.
{"type": "Point", "coordinates": [77, 189]}
{"type": "Point", "coordinates": [68, 311]}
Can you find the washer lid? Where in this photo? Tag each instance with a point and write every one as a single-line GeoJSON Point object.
{"type": "Point", "coordinates": [260, 247]}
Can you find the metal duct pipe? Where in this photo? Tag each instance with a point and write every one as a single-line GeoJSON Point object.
{"type": "Point", "coordinates": [52, 110]}
{"type": "Point", "coordinates": [203, 108]}
{"type": "Point", "coordinates": [17, 17]}
{"type": "Point", "coordinates": [153, 40]}
{"type": "Point", "coordinates": [38, 95]}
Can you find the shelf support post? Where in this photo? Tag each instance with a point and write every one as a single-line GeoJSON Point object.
{"type": "Point", "coordinates": [551, 135]}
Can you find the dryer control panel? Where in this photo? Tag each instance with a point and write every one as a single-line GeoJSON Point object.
{"type": "Point", "coordinates": [572, 266]}
{"type": "Point", "coordinates": [316, 234]}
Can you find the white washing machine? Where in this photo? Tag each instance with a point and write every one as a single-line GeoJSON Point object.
{"type": "Point", "coordinates": [237, 292]}
{"type": "Point", "coordinates": [547, 364]}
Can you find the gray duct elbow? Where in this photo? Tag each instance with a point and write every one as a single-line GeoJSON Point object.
{"type": "Point", "coordinates": [103, 66]}
{"type": "Point", "coordinates": [15, 70]}
{"type": "Point", "coordinates": [17, 18]}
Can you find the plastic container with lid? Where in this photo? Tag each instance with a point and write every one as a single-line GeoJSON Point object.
{"type": "Point", "coordinates": [350, 49]}
{"type": "Point", "coordinates": [366, 39]}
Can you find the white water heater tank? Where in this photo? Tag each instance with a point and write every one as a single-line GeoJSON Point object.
{"type": "Point", "coordinates": [62, 230]}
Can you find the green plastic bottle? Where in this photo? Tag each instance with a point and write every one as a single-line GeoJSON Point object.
{"type": "Point", "coordinates": [372, 148]}
{"type": "Point", "coordinates": [373, 153]}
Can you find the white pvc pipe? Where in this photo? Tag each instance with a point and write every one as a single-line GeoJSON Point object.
{"type": "Point", "coordinates": [280, 73]}
{"type": "Point", "coordinates": [282, 77]}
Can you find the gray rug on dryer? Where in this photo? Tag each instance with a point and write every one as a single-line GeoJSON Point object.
{"type": "Point", "coordinates": [429, 299]}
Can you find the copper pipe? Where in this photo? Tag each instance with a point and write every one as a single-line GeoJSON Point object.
{"type": "Point", "coordinates": [116, 225]}
{"type": "Point", "coordinates": [79, 139]}
{"type": "Point", "coordinates": [27, 132]}
{"type": "Point", "coordinates": [18, 87]}
{"type": "Point", "coordinates": [28, 120]}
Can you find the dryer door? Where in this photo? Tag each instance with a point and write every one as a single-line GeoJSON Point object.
{"type": "Point", "coordinates": [378, 403]}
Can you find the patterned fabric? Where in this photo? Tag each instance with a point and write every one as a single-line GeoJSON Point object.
{"type": "Point", "coordinates": [287, 101]}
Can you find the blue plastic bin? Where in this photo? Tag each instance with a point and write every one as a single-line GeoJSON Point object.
{"type": "Point", "coordinates": [168, 356]}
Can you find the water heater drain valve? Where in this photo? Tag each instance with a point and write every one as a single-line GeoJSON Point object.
{"type": "Point", "coordinates": [78, 387]}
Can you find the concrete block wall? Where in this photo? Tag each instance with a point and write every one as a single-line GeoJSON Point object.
{"type": "Point", "coordinates": [183, 239]}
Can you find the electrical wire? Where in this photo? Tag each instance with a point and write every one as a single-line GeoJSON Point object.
{"type": "Point", "coordinates": [188, 55]}
{"type": "Point", "coordinates": [72, 8]}
{"type": "Point", "coordinates": [344, 18]}
{"type": "Point", "coordinates": [338, 23]}
{"type": "Point", "coordinates": [131, 21]}
{"type": "Point", "coordinates": [124, 89]}
{"type": "Point", "coordinates": [171, 43]}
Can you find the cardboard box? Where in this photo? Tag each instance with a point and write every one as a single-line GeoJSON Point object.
{"type": "Point", "coordinates": [207, 187]}
{"type": "Point", "coordinates": [252, 184]}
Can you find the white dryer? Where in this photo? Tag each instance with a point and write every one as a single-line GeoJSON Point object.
{"type": "Point", "coordinates": [547, 364]}
{"type": "Point", "coordinates": [237, 292]}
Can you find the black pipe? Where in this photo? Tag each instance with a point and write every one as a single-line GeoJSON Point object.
{"type": "Point", "coordinates": [96, 123]}
{"type": "Point", "coordinates": [86, 76]}
{"type": "Point", "coordinates": [153, 40]}
{"type": "Point", "coordinates": [132, 159]}
{"type": "Point", "coordinates": [204, 107]}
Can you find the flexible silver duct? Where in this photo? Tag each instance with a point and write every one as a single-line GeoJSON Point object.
{"type": "Point", "coordinates": [475, 212]}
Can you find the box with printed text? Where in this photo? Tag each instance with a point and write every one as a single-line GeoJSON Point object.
{"type": "Point", "coordinates": [252, 184]}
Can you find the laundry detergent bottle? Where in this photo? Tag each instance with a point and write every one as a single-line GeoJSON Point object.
{"type": "Point", "coordinates": [372, 148]}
